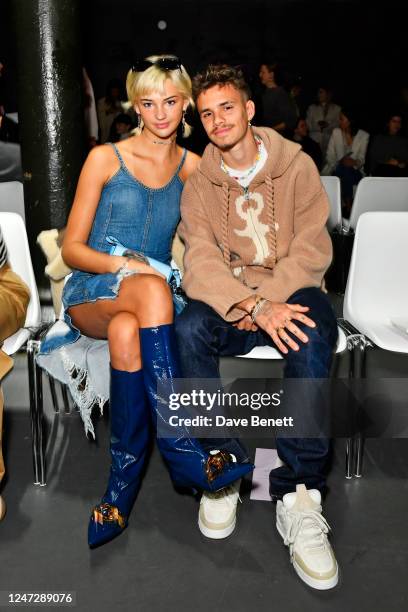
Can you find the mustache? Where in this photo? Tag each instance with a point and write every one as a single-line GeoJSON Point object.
{"type": "Point", "coordinates": [221, 127]}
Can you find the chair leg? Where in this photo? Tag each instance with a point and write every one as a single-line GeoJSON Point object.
{"type": "Point", "coordinates": [349, 457]}
{"type": "Point", "coordinates": [358, 468]}
{"type": "Point", "coordinates": [359, 355]}
{"type": "Point", "coordinates": [65, 399]}
{"type": "Point", "coordinates": [53, 393]}
{"type": "Point", "coordinates": [357, 344]}
{"type": "Point", "coordinates": [40, 419]}
{"type": "Point", "coordinates": [36, 412]}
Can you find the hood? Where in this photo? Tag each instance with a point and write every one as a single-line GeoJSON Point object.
{"type": "Point", "coordinates": [281, 153]}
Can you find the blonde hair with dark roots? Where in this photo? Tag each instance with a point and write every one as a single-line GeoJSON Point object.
{"type": "Point", "coordinates": [139, 84]}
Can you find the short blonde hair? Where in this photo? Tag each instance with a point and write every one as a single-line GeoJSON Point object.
{"type": "Point", "coordinates": [139, 84]}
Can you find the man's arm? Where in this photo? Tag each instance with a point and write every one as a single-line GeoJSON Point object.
{"type": "Point", "coordinates": [207, 277]}
{"type": "Point", "coordinates": [310, 251]}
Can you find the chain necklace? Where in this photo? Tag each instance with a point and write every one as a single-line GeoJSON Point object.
{"type": "Point", "coordinates": [161, 142]}
{"type": "Point", "coordinates": [241, 177]}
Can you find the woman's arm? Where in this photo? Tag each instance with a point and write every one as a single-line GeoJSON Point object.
{"type": "Point", "coordinates": [331, 155]}
{"type": "Point", "coordinates": [98, 168]}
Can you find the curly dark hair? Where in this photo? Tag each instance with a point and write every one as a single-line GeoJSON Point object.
{"type": "Point", "coordinates": [220, 74]}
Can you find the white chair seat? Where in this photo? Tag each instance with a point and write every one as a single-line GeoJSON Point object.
{"type": "Point", "coordinates": [13, 343]}
{"type": "Point", "coordinates": [268, 352]}
{"type": "Point", "coordinates": [378, 193]}
{"type": "Point", "coordinates": [376, 297]}
{"type": "Point", "coordinates": [12, 193]}
{"type": "Point", "coordinates": [384, 335]}
{"type": "Point", "coordinates": [332, 187]}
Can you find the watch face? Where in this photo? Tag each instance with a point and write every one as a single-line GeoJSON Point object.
{"type": "Point", "coordinates": [135, 255]}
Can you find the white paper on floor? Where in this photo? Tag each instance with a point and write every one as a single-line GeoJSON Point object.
{"type": "Point", "coordinates": [265, 461]}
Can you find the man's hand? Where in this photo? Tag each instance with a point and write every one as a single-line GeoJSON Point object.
{"type": "Point", "coordinates": [246, 324]}
{"type": "Point", "coordinates": [349, 162]}
{"type": "Point", "coordinates": [276, 318]}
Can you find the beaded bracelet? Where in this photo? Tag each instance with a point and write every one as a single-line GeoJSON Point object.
{"type": "Point", "coordinates": [257, 307]}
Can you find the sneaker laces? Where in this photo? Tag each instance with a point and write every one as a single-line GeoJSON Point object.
{"type": "Point", "coordinates": [313, 526]}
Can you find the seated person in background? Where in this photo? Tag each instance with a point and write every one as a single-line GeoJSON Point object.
{"type": "Point", "coordinates": [278, 108]}
{"type": "Point", "coordinates": [120, 128]}
{"type": "Point", "coordinates": [322, 118]}
{"type": "Point", "coordinates": [108, 108]}
{"type": "Point", "coordinates": [388, 152]}
{"type": "Point", "coordinates": [14, 298]}
{"type": "Point", "coordinates": [309, 146]}
{"type": "Point", "coordinates": [346, 154]}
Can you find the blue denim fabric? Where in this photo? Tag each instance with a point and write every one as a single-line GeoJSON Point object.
{"type": "Point", "coordinates": [54, 341]}
{"type": "Point", "coordinates": [140, 218]}
{"type": "Point", "coordinates": [349, 177]}
{"type": "Point", "coordinates": [204, 336]}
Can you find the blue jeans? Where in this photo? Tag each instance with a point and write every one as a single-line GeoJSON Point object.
{"type": "Point", "coordinates": [204, 336]}
{"type": "Point", "coordinates": [349, 177]}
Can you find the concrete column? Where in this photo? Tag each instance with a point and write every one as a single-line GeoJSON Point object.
{"type": "Point", "coordinates": [48, 49]}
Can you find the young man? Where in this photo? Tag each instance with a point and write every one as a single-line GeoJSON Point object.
{"type": "Point", "coordinates": [253, 223]}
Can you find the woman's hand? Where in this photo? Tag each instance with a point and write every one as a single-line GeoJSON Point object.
{"type": "Point", "coordinates": [349, 162]}
{"type": "Point", "coordinates": [276, 318]}
{"type": "Point", "coordinates": [131, 264]}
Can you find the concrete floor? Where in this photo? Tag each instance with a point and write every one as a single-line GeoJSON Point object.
{"type": "Point", "coordinates": [162, 562]}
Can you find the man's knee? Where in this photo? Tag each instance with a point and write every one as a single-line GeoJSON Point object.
{"type": "Point", "coordinates": [321, 312]}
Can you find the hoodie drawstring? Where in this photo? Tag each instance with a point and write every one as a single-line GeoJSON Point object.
{"type": "Point", "coordinates": [270, 261]}
{"type": "Point", "coordinates": [224, 224]}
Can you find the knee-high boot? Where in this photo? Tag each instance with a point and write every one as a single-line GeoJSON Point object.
{"type": "Point", "coordinates": [189, 464]}
{"type": "Point", "coordinates": [130, 425]}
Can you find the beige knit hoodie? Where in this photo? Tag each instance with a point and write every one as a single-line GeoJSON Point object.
{"type": "Point", "coordinates": [273, 241]}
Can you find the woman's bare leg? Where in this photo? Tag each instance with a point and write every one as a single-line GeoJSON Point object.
{"type": "Point", "coordinates": [144, 300]}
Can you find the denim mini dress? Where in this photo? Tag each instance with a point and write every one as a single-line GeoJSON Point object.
{"type": "Point", "coordinates": [141, 218]}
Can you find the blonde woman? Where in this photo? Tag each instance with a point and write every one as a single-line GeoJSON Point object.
{"type": "Point", "coordinates": [130, 192]}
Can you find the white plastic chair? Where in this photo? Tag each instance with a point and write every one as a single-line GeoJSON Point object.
{"type": "Point", "coordinates": [12, 198]}
{"type": "Point", "coordinates": [332, 187]}
{"type": "Point", "coordinates": [15, 237]}
{"type": "Point", "coordinates": [376, 193]}
{"type": "Point", "coordinates": [376, 296]}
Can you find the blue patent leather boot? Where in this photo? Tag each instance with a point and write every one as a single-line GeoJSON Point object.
{"type": "Point", "coordinates": [130, 427]}
{"type": "Point", "coordinates": [189, 464]}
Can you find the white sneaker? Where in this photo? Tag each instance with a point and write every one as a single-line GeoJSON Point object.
{"type": "Point", "coordinates": [303, 528]}
{"type": "Point", "coordinates": [217, 516]}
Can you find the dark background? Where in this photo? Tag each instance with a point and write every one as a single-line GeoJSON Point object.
{"type": "Point", "coordinates": [359, 47]}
